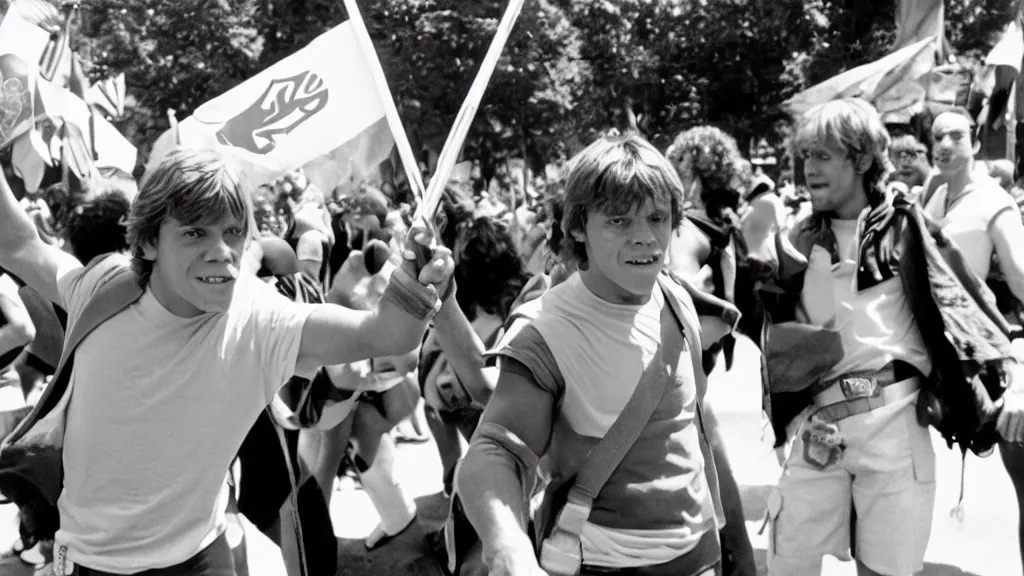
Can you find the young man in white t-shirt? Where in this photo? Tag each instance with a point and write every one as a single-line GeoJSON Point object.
{"type": "Point", "coordinates": [168, 388]}
{"type": "Point", "coordinates": [983, 220]}
{"type": "Point", "coordinates": [974, 211]}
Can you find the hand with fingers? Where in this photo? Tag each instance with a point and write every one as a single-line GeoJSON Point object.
{"type": "Point", "coordinates": [424, 260]}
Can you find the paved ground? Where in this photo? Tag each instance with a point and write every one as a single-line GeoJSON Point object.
{"type": "Point", "coordinates": [982, 544]}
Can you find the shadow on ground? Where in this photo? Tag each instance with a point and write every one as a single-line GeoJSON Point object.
{"type": "Point", "coordinates": [944, 570]}
{"type": "Point", "coordinates": [407, 554]}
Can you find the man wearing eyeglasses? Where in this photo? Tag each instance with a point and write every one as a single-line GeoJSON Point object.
{"type": "Point", "coordinates": [910, 159]}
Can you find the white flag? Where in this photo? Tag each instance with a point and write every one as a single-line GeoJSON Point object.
{"type": "Point", "coordinates": [318, 106]}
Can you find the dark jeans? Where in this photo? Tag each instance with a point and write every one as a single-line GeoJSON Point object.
{"type": "Point", "coordinates": [215, 560]}
{"type": "Point", "coordinates": [706, 556]}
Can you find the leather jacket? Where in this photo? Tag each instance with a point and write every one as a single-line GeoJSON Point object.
{"type": "Point", "coordinates": [964, 333]}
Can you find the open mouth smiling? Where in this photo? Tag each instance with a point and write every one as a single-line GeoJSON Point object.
{"type": "Point", "coordinates": [647, 261]}
{"type": "Point", "coordinates": [215, 279]}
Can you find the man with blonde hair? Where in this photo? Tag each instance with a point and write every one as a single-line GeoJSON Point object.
{"type": "Point", "coordinates": [166, 389]}
{"type": "Point", "coordinates": [879, 461]}
{"type": "Point", "coordinates": [867, 274]}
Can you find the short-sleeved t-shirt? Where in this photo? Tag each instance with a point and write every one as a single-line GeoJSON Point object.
{"type": "Point", "coordinates": [656, 506]}
{"type": "Point", "coordinates": [968, 220]}
{"type": "Point", "coordinates": [160, 406]}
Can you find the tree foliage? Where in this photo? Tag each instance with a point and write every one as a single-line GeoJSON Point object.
{"type": "Point", "coordinates": [572, 67]}
{"type": "Point", "coordinates": [175, 54]}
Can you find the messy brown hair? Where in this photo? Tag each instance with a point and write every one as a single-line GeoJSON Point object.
{"type": "Point", "coordinates": [615, 175]}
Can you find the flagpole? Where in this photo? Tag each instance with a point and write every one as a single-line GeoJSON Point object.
{"type": "Point", "coordinates": [92, 132]}
{"type": "Point", "coordinates": [1011, 124]}
{"type": "Point", "coordinates": [457, 136]}
{"type": "Point", "coordinates": [409, 163]}
{"type": "Point", "coordinates": [172, 118]}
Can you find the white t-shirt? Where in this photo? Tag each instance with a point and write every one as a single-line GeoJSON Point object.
{"type": "Point", "coordinates": [968, 221]}
{"type": "Point", "coordinates": [159, 409]}
{"type": "Point", "coordinates": [876, 324]}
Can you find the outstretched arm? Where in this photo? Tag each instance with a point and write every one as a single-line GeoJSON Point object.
{"type": "Point", "coordinates": [24, 254]}
{"type": "Point", "coordinates": [465, 352]}
{"type": "Point", "coordinates": [336, 335]}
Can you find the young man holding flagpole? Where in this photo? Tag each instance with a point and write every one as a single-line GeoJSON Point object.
{"type": "Point", "coordinates": [168, 386]}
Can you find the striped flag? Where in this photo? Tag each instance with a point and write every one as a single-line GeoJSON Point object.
{"type": "Point", "coordinates": [56, 61]}
{"type": "Point", "coordinates": [111, 147]}
{"type": "Point", "coordinates": [36, 31]}
{"type": "Point", "coordinates": [318, 108]}
{"type": "Point", "coordinates": [108, 96]}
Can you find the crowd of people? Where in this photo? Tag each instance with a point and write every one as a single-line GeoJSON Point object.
{"type": "Point", "coordinates": [237, 350]}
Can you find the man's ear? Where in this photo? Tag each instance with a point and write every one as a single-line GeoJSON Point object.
{"type": "Point", "coordinates": [976, 148]}
{"type": "Point", "coordinates": [149, 251]}
{"type": "Point", "coordinates": [864, 163]}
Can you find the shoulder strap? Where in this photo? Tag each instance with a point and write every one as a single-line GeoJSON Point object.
{"type": "Point", "coordinates": [609, 452]}
{"type": "Point", "coordinates": [683, 300]}
{"type": "Point", "coordinates": [116, 294]}
{"type": "Point", "coordinates": [684, 308]}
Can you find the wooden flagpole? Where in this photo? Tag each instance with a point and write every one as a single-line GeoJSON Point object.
{"type": "Point", "coordinates": [457, 136]}
{"type": "Point", "coordinates": [405, 152]}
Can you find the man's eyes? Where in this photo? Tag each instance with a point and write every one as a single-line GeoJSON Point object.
{"type": "Point", "coordinates": [198, 233]}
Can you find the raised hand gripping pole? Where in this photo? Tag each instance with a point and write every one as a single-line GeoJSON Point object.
{"type": "Point", "coordinates": [429, 201]}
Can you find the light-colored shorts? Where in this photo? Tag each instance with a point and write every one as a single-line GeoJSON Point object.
{"type": "Point", "coordinates": [886, 474]}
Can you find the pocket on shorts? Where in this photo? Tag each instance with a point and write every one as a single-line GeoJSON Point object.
{"type": "Point", "coordinates": [921, 450]}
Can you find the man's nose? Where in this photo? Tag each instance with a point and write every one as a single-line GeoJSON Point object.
{"type": "Point", "coordinates": [220, 251]}
{"type": "Point", "coordinates": [643, 232]}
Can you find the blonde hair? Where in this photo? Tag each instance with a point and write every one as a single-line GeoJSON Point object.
{"type": "Point", "coordinates": [854, 127]}
{"type": "Point", "coordinates": [193, 187]}
{"type": "Point", "coordinates": [614, 175]}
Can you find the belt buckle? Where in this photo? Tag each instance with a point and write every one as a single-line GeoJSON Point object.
{"type": "Point", "coordinates": [859, 387]}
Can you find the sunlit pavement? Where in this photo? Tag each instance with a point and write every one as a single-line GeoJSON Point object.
{"type": "Point", "coordinates": [982, 544]}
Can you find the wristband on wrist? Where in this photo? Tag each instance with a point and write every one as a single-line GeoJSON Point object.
{"type": "Point", "coordinates": [419, 301]}
{"type": "Point", "coordinates": [449, 292]}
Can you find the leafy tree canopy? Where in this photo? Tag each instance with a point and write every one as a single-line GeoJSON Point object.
{"type": "Point", "coordinates": [572, 67]}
